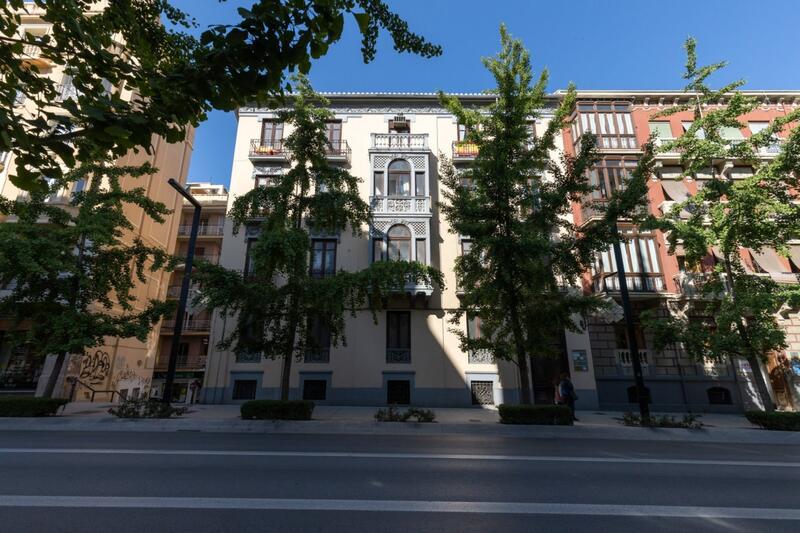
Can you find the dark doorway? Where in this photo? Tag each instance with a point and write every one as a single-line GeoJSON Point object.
{"type": "Point", "coordinates": [398, 391]}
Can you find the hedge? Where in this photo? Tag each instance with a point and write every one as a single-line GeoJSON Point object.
{"type": "Point", "coordinates": [277, 410]}
{"type": "Point", "coordinates": [544, 415]}
{"type": "Point", "coordinates": [30, 406]}
{"type": "Point", "coordinates": [776, 421]}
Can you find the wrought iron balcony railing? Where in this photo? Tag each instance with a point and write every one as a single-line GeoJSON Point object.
{"type": "Point", "coordinates": [267, 149]}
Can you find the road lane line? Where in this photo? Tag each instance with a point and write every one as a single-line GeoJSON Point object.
{"type": "Point", "coordinates": [413, 456]}
{"type": "Point", "coordinates": [406, 506]}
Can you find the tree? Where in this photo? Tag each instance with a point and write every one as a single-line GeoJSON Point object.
{"type": "Point", "coordinates": [279, 299]}
{"type": "Point", "coordinates": [175, 77]}
{"type": "Point", "coordinates": [757, 212]}
{"type": "Point", "coordinates": [514, 203]}
{"type": "Point", "coordinates": [69, 272]}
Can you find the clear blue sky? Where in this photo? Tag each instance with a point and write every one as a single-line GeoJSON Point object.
{"type": "Point", "coordinates": [598, 44]}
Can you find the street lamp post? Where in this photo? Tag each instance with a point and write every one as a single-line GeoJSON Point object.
{"type": "Point", "coordinates": [187, 277]}
{"type": "Point", "coordinates": [644, 408]}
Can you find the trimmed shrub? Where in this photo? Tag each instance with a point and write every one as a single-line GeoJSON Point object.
{"type": "Point", "coordinates": [30, 406]}
{"type": "Point", "coordinates": [775, 421]}
{"type": "Point", "coordinates": [543, 415]}
{"type": "Point", "coordinates": [689, 421]}
{"type": "Point", "coordinates": [145, 408]}
{"type": "Point", "coordinates": [393, 415]}
{"type": "Point", "coordinates": [277, 410]}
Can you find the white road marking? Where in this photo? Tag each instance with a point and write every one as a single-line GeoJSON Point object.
{"type": "Point", "coordinates": [414, 456]}
{"type": "Point", "coordinates": [405, 506]}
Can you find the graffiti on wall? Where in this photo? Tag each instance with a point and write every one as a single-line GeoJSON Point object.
{"type": "Point", "coordinates": [95, 368]}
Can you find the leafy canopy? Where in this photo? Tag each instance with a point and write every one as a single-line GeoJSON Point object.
{"type": "Point", "coordinates": [145, 48]}
{"type": "Point", "coordinates": [514, 203]}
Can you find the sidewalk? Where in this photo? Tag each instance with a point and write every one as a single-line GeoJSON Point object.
{"type": "Point", "coordinates": [359, 420]}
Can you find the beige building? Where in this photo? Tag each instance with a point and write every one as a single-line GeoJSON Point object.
{"type": "Point", "coordinates": [193, 349]}
{"type": "Point", "coordinates": [122, 365]}
{"type": "Point", "coordinates": [394, 143]}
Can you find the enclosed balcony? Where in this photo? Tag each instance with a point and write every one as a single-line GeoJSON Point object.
{"type": "Point", "coordinates": [610, 122]}
{"type": "Point", "coordinates": [400, 141]}
{"type": "Point", "coordinates": [637, 282]}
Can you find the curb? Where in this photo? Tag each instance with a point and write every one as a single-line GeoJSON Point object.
{"type": "Point", "coordinates": [741, 436]}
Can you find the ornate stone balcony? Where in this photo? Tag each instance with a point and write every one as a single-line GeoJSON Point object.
{"type": "Point", "coordinates": [400, 141]}
{"type": "Point", "coordinates": [405, 205]}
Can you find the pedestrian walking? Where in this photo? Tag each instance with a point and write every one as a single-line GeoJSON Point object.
{"type": "Point", "coordinates": [567, 391]}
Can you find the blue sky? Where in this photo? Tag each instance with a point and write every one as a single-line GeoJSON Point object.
{"type": "Point", "coordinates": [624, 44]}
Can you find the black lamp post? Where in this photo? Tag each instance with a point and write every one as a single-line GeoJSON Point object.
{"type": "Point", "coordinates": [644, 407]}
{"type": "Point", "coordinates": [166, 397]}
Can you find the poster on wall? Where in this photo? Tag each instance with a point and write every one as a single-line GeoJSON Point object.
{"type": "Point", "coordinates": [580, 362]}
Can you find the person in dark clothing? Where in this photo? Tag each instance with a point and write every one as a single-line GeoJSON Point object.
{"type": "Point", "coordinates": [567, 391]}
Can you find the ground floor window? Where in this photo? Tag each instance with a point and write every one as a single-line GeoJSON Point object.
{"type": "Point", "coordinates": [244, 389]}
{"type": "Point", "coordinates": [482, 392]}
{"type": "Point", "coordinates": [398, 391]}
{"type": "Point", "coordinates": [719, 396]}
{"type": "Point", "coordinates": [315, 389]}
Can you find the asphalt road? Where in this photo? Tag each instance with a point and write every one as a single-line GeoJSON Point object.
{"type": "Point", "coordinates": [211, 482]}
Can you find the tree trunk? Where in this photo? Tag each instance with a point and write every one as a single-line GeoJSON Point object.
{"type": "Point", "coordinates": [54, 374]}
{"type": "Point", "coordinates": [752, 357]}
{"type": "Point", "coordinates": [522, 357]}
{"type": "Point", "coordinates": [286, 372]}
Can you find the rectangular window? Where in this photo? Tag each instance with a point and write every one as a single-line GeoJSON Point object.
{"type": "Point", "coordinates": [272, 133]}
{"type": "Point", "coordinates": [319, 342]}
{"type": "Point", "coordinates": [398, 337]}
{"type": "Point", "coordinates": [662, 130]}
{"type": "Point", "coordinates": [315, 389]}
{"type": "Point", "coordinates": [466, 246]}
{"type": "Point", "coordinates": [421, 251]}
{"type": "Point", "coordinates": [244, 389]}
{"type": "Point", "coordinates": [249, 269]}
{"type": "Point", "coordinates": [419, 183]}
{"type": "Point", "coordinates": [757, 127]}
{"type": "Point", "coordinates": [323, 258]}
{"type": "Point", "coordinates": [377, 250]}
{"type": "Point", "coordinates": [334, 133]}
{"type": "Point", "coordinates": [378, 178]}
{"type": "Point", "coordinates": [398, 392]}
{"type": "Point", "coordinates": [700, 134]}
{"type": "Point", "coordinates": [264, 180]}
{"type": "Point", "coordinates": [731, 134]}
{"type": "Point", "coordinates": [609, 175]}
{"type": "Point", "coordinates": [482, 392]}
{"type": "Point", "coordinates": [462, 132]}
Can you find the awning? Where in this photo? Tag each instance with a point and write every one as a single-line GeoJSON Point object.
{"type": "Point", "coordinates": [768, 260]}
{"type": "Point", "coordinates": [794, 254]}
{"type": "Point", "coordinates": [675, 190]}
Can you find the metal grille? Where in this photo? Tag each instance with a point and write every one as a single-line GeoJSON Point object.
{"type": "Point", "coordinates": [317, 356]}
{"type": "Point", "coordinates": [398, 355]}
{"type": "Point", "coordinates": [481, 357]}
{"type": "Point", "coordinates": [482, 392]}
{"type": "Point", "coordinates": [398, 391]}
{"type": "Point", "coordinates": [248, 357]}
{"type": "Point", "coordinates": [315, 389]}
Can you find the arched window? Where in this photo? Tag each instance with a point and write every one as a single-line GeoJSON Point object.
{"type": "Point", "coordinates": [399, 243]}
{"type": "Point", "coordinates": [399, 178]}
{"type": "Point", "coordinates": [719, 396]}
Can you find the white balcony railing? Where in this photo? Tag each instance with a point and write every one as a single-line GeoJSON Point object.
{"type": "Point", "coordinates": [400, 141]}
{"type": "Point", "coordinates": [412, 205]}
{"type": "Point", "coordinates": [188, 325]}
{"type": "Point", "coordinates": [624, 357]}
{"type": "Point", "coordinates": [213, 231]}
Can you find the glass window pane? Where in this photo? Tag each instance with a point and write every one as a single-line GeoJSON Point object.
{"type": "Point", "coordinates": [731, 133]}
{"type": "Point", "coordinates": [756, 127]}
{"type": "Point", "coordinates": [377, 250]}
{"type": "Point", "coordinates": [378, 177]}
{"type": "Point", "coordinates": [421, 251]}
{"type": "Point", "coordinates": [419, 183]}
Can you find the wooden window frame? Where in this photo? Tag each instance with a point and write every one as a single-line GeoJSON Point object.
{"type": "Point", "coordinates": [327, 245]}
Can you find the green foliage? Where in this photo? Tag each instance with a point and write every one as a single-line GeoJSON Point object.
{"type": "Point", "coordinates": [514, 201]}
{"type": "Point", "coordinates": [392, 414]}
{"type": "Point", "coordinates": [775, 421]}
{"type": "Point", "coordinates": [146, 408]}
{"type": "Point", "coordinates": [688, 421]}
{"type": "Point", "coordinates": [734, 315]}
{"type": "Point", "coordinates": [540, 415]}
{"type": "Point", "coordinates": [278, 299]}
{"type": "Point", "coordinates": [71, 270]}
{"type": "Point", "coordinates": [177, 77]}
{"type": "Point", "coordinates": [277, 410]}
{"type": "Point", "coordinates": [29, 406]}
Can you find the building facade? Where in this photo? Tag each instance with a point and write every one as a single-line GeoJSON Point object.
{"type": "Point", "coordinates": [395, 144]}
{"type": "Point", "coordinates": [660, 281]}
{"type": "Point", "coordinates": [121, 365]}
{"type": "Point", "coordinates": [193, 349]}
